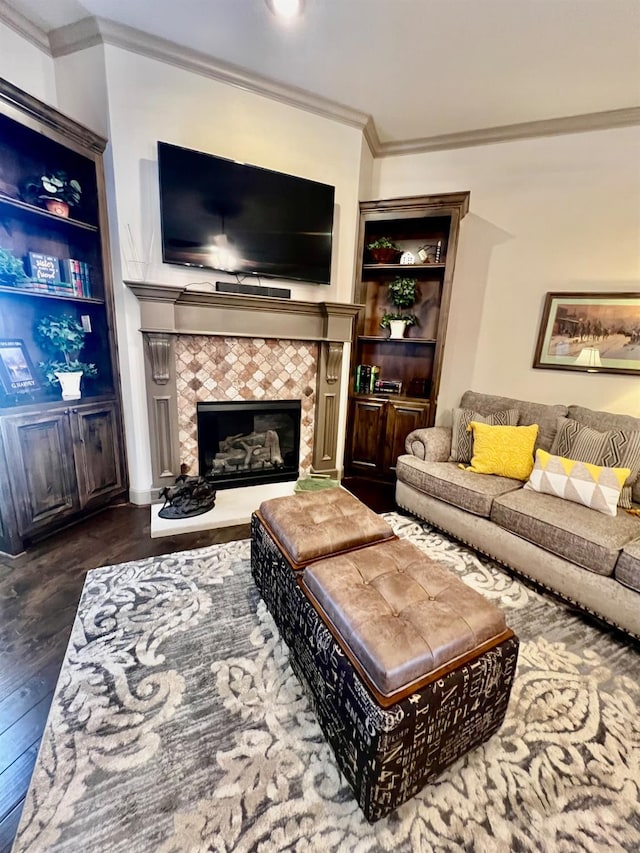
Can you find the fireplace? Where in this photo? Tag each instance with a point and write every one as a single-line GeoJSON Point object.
{"type": "Point", "coordinates": [248, 442]}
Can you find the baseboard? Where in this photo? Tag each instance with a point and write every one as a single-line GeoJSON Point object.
{"type": "Point", "coordinates": [142, 497]}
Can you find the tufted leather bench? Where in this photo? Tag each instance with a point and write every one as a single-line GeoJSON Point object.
{"type": "Point", "coordinates": [407, 668]}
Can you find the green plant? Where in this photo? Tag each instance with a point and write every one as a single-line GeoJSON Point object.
{"type": "Point", "coordinates": [62, 335]}
{"type": "Point", "coordinates": [56, 185]}
{"type": "Point", "coordinates": [409, 319]}
{"type": "Point", "coordinates": [382, 243]}
{"type": "Point", "coordinates": [11, 268]}
{"type": "Point", "coordinates": [402, 292]}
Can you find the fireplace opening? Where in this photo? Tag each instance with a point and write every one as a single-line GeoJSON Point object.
{"type": "Point", "coordinates": [248, 442]}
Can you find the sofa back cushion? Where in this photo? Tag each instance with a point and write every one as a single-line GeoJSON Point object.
{"type": "Point", "coordinates": [546, 416]}
{"type": "Point", "coordinates": [462, 437]}
{"type": "Point", "coordinates": [613, 448]}
{"type": "Point", "coordinates": [605, 421]}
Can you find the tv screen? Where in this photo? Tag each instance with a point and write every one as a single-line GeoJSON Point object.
{"type": "Point", "coordinates": [230, 216]}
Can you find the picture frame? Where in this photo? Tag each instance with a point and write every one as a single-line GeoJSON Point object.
{"type": "Point", "coordinates": [17, 375]}
{"type": "Point", "coordinates": [590, 332]}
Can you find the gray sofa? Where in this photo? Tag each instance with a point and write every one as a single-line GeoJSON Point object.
{"type": "Point", "coordinates": [588, 558]}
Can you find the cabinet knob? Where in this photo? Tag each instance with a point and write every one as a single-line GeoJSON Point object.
{"type": "Point", "coordinates": [75, 411]}
{"type": "Point", "coordinates": [66, 412]}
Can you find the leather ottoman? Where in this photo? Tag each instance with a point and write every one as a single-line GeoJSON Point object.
{"type": "Point", "coordinates": [406, 667]}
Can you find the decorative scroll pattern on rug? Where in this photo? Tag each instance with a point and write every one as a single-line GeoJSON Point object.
{"type": "Point", "coordinates": [178, 725]}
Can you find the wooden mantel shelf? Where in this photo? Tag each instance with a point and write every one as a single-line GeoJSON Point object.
{"type": "Point", "coordinates": [190, 311]}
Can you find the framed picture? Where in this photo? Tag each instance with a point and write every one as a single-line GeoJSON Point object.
{"type": "Point", "coordinates": [17, 375]}
{"type": "Point", "coordinates": [592, 332]}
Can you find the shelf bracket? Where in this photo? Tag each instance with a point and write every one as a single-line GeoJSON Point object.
{"type": "Point", "coordinates": [159, 345]}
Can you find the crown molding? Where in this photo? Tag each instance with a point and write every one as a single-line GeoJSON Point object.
{"type": "Point", "coordinates": [24, 27]}
{"type": "Point", "coordinates": [91, 31]}
{"type": "Point", "coordinates": [372, 139]}
{"type": "Point", "coordinates": [606, 120]}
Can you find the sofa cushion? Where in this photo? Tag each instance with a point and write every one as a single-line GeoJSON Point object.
{"type": "Point", "coordinates": [614, 448]}
{"type": "Point", "coordinates": [628, 566]}
{"type": "Point", "coordinates": [445, 481]}
{"type": "Point", "coordinates": [580, 482]}
{"type": "Point", "coordinates": [607, 420]}
{"type": "Point", "coordinates": [530, 413]}
{"type": "Point", "coordinates": [503, 450]}
{"type": "Point", "coordinates": [589, 539]}
{"type": "Point", "coordinates": [462, 437]}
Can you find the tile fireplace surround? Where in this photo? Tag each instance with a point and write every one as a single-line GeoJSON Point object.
{"type": "Point", "coordinates": [202, 345]}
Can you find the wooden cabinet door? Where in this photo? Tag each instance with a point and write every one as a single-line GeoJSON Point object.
{"type": "Point", "coordinates": [367, 432]}
{"type": "Point", "coordinates": [402, 417]}
{"type": "Point", "coordinates": [39, 452]}
{"type": "Point", "coordinates": [97, 450]}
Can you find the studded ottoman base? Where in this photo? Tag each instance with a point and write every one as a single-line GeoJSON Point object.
{"type": "Point", "coordinates": [392, 728]}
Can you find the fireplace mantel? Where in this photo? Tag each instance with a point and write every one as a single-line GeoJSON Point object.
{"type": "Point", "coordinates": [168, 311]}
{"type": "Point", "coordinates": [195, 311]}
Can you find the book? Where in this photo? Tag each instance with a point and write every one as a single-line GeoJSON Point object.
{"type": "Point", "coordinates": [365, 379]}
{"type": "Point", "coordinates": [388, 386]}
{"type": "Point", "coordinates": [77, 274]}
{"type": "Point", "coordinates": [375, 373]}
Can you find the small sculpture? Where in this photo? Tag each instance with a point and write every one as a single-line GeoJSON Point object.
{"type": "Point", "coordinates": [188, 497]}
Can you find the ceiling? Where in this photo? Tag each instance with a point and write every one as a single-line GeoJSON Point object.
{"type": "Point", "coordinates": [419, 68]}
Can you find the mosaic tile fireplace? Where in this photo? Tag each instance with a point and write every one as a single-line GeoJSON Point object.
{"type": "Point", "coordinates": [231, 369]}
{"type": "Point", "coordinates": [201, 345]}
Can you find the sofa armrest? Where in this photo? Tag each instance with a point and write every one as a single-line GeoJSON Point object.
{"type": "Point", "coordinates": [432, 444]}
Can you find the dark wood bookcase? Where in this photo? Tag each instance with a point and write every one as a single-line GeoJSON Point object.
{"type": "Point", "coordinates": [379, 421]}
{"type": "Point", "coordinates": [60, 460]}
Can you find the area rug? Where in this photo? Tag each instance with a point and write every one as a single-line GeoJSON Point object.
{"type": "Point", "coordinates": [177, 725]}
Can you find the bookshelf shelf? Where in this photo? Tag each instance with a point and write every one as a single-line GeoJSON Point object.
{"type": "Point", "coordinates": [380, 420]}
{"type": "Point", "coordinates": [62, 459]}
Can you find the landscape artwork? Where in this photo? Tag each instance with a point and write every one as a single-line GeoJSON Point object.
{"type": "Point", "coordinates": [590, 332]}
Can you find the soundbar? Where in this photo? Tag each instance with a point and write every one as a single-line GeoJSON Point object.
{"type": "Point", "coordinates": [252, 289]}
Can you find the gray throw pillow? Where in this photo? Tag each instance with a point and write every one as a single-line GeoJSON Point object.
{"type": "Point", "coordinates": [462, 441]}
{"type": "Point", "coordinates": [615, 448]}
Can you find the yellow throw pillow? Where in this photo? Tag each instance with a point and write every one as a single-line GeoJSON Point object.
{"type": "Point", "coordinates": [503, 450]}
{"type": "Point", "coordinates": [594, 486]}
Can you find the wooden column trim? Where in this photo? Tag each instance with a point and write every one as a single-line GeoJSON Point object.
{"type": "Point", "coordinates": [162, 408]}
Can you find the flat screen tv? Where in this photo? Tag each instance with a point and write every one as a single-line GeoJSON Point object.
{"type": "Point", "coordinates": [224, 215]}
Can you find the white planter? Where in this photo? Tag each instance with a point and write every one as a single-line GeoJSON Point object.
{"type": "Point", "coordinates": [396, 328]}
{"type": "Point", "coordinates": [70, 384]}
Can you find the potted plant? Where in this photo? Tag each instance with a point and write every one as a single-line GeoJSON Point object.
{"type": "Point", "coordinates": [64, 336]}
{"type": "Point", "coordinates": [383, 250]}
{"type": "Point", "coordinates": [11, 269]}
{"type": "Point", "coordinates": [402, 293]}
{"type": "Point", "coordinates": [56, 190]}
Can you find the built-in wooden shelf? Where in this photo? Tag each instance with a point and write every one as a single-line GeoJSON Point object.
{"type": "Point", "coordinates": [42, 294]}
{"type": "Point", "coordinates": [7, 201]}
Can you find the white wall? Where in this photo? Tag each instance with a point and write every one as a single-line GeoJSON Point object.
{"type": "Point", "coordinates": [26, 66]}
{"type": "Point", "coordinates": [554, 214]}
{"type": "Point", "coordinates": [146, 101]}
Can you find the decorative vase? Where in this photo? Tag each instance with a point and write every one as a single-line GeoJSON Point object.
{"type": "Point", "coordinates": [70, 384]}
{"type": "Point", "coordinates": [58, 207]}
{"type": "Point", "coordinates": [384, 256]}
{"type": "Point", "coordinates": [396, 328]}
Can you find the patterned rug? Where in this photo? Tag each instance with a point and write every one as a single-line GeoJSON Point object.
{"type": "Point", "coordinates": [177, 725]}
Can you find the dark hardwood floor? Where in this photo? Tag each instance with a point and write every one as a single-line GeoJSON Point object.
{"type": "Point", "coordinates": [39, 593]}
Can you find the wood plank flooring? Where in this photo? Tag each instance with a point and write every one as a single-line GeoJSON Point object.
{"type": "Point", "coordinates": [39, 593]}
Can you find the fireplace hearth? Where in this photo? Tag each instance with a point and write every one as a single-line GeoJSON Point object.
{"type": "Point", "coordinates": [248, 442]}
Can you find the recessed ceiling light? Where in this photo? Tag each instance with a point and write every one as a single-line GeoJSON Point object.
{"type": "Point", "coordinates": [285, 8]}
